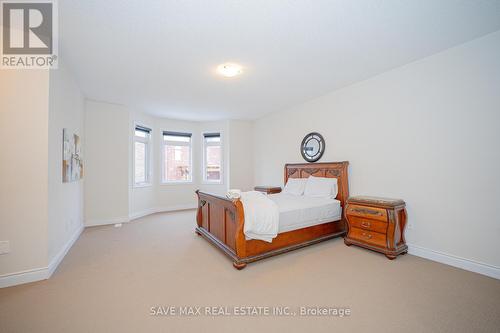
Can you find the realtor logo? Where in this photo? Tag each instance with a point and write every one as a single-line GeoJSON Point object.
{"type": "Point", "coordinates": [29, 34]}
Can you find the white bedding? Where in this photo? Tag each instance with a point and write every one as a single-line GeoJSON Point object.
{"type": "Point", "coordinates": [296, 212]}
{"type": "Point", "coordinates": [261, 216]}
{"type": "Point", "coordinates": [268, 215]}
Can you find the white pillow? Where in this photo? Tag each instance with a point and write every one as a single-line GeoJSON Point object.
{"type": "Point", "coordinates": [319, 187]}
{"type": "Point", "coordinates": [295, 186]}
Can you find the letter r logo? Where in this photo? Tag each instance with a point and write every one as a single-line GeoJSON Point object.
{"type": "Point", "coordinates": [27, 27]}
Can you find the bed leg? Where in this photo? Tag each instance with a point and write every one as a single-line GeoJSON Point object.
{"type": "Point", "coordinates": [239, 265]}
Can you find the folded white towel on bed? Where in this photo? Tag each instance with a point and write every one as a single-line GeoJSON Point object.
{"type": "Point", "coordinates": [233, 194]}
{"type": "Point", "coordinates": [261, 216]}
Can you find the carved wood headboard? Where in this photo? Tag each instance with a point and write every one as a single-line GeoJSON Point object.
{"type": "Point", "coordinates": [329, 170]}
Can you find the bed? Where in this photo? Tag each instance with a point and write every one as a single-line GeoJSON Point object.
{"type": "Point", "coordinates": [302, 222]}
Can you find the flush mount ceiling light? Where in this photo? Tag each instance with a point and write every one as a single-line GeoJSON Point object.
{"type": "Point", "coordinates": [229, 69]}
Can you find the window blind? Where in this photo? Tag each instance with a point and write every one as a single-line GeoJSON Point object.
{"type": "Point", "coordinates": [168, 133]}
{"type": "Point", "coordinates": [142, 129]}
{"type": "Point", "coordinates": [211, 135]}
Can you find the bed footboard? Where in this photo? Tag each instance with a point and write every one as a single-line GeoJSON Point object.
{"type": "Point", "coordinates": [220, 220]}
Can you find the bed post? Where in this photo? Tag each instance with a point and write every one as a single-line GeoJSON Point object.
{"type": "Point", "coordinates": [199, 212]}
{"type": "Point", "coordinates": [240, 235]}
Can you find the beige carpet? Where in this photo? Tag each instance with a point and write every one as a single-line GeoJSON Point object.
{"type": "Point", "coordinates": [113, 276]}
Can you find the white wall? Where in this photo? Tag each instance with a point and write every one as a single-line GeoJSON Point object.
{"type": "Point", "coordinates": [106, 163]}
{"type": "Point", "coordinates": [66, 105]}
{"type": "Point", "coordinates": [24, 169]}
{"type": "Point", "coordinates": [241, 155]}
{"type": "Point", "coordinates": [428, 133]}
{"type": "Point", "coordinates": [39, 215]}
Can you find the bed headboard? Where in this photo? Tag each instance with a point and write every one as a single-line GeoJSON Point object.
{"type": "Point", "coordinates": [329, 170]}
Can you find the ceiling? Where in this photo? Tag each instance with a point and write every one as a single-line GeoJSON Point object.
{"type": "Point", "coordinates": [160, 57]}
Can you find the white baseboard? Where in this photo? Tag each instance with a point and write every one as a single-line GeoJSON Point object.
{"type": "Point", "coordinates": [142, 213]}
{"type": "Point", "coordinates": [97, 222]}
{"type": "Point", "coordinates": [54, 263]}
{"type": "Point", "coordinates": [137, 215]}
{"type": "Point", "coordinates": [32, 275]}
{"type": "Point", "coordinates": [43, 273]}
{"type": "Point", "coordinates": [448, 259]}
{"type": "Point", "coordinates": [150, 211]}
{"type": "Point", "coordinates": [175, 208]}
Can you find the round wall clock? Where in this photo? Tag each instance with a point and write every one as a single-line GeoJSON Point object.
{"type": "Point", "coordinates": [312, 147]}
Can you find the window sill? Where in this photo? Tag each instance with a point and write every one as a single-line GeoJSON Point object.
{"type": "Point", "coordinates": [142, 185]}
{"type": "Point", "coordinates": [207, 182]}
{"type": "Point", "coordinates": [177, 183]}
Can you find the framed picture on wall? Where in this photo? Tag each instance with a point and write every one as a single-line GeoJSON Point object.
{"type": "Point", "coordinates": [72, 164]}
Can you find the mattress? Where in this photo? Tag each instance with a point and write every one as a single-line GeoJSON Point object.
{"type": "Point", "coordinates": [296, 212]}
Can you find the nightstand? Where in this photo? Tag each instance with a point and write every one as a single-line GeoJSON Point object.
{"type": "Point", "coordinates": [377, 224]}
{"type": "Point", "coordinates": [268, 189]}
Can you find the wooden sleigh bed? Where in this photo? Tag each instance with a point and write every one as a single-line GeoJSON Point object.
{"type": "Point", "coordinates": [220, 220]}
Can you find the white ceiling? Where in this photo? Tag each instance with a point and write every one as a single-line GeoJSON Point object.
{"type": "Point", "coordinates": [159, 57]}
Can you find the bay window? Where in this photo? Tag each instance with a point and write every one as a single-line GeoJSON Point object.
{"type": "Point", "coordinates": [142, 161]}
{"type": "Point", "coordinates": [176, 157]}
{"type": "Point", "coordinates": [212, 157]}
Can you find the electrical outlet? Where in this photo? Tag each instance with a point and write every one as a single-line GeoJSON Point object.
{"type": "Point", "coordinates": [4, 247]}
{"type": "Point", "coordinates": [410, 226]}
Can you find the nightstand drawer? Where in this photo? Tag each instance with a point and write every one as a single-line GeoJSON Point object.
{"type": "Point", "coordinates": [368, 224]}
{"type": "Point", "coordinates": [369, 237]}
{"type": "Point", "coordinates": [367, 212]}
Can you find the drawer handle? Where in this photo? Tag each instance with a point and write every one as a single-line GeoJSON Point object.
{"type": "Point", "coordinates": [365, 224]}
{"type": "Point", "coordinates": [366, 211]}
{"type": "Point", "coordinates": [367, 235]}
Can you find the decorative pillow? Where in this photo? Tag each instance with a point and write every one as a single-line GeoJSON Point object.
{"type": "Point", "coordinates": [321, 187]}
{"type": "Point", "coordinates": [295, 186]}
